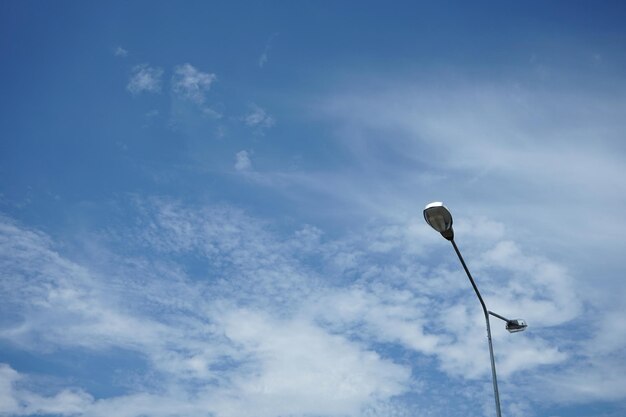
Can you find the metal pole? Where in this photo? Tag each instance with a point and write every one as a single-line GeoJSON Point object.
{"type": "Point", "coordinates": [486, 312]}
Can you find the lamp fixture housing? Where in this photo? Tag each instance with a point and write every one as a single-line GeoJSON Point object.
{"type": "Point", "coordinates": [439, 218]}
{"type": "Point", "coordinates": [516, 325]}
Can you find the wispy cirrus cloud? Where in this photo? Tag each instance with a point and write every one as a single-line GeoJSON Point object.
{"type": "Point", "coordinates": [145, 78]}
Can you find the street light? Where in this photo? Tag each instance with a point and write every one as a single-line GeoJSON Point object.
{"type": "Point", "coordinates": [440, 219]}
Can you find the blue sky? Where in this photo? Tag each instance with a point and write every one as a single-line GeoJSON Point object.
{"type": "Point", "coordinates": [215, 208]}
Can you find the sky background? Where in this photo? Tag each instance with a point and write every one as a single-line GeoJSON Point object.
{"type": "Point", "coordinates": [215, 208]}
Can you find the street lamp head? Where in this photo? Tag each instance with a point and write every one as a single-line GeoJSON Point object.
{"type": "Point", "coordinates": [517, 325]}
{"type": "Point", "coordinates": [439, 218]}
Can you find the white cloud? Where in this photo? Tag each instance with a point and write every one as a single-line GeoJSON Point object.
{"type": "Point", "coordinates": [20, 401]}
{"type": "Point", "coordinates": [264, 58]}
{"type": "Point", "coordinates": [380, 313]}
{"type": "Point", "coordinates": [258, 118]}
{"type": "Point", "coordinates": [396, 316]}
{"type": "Point", "coordinates": [265, 332]}
{"type": "Point", "coordinates": [145, 79]}
{"type": "Point", "coordinates": [550, 145]}
{"type": "Point", "coordinates": [121, 52]}
{"type": "Point", "coordinates": [304, 370]}
{"type": "Point", "coordinates": [589, 381]}
{"type": "Point", "coordinates": [191, 83]}
{"type": "Point", "coordinates": [536, 158]}
{"type": "Point", "coordinates": [211, 113]}
{"type": "Point", "coordinates": [8, 401]}
{"type": "Point", "coordinates": [242, 161]}
{"type": "Point", "coordinates": [65, 305]}
{"type": "Point", "coordinates": [438, 314]}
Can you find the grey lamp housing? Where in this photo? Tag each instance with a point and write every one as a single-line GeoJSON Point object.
{"type": "Point", "coordinates": [516, 325]}
{"type": "Point", "coordinates": [440, 219]}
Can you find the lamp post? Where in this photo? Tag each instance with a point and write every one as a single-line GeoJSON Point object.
{"type": "Point", "coordinates": [440, 219]}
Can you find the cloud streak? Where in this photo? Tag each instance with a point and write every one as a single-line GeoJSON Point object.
{"type": "Point", "coordinates": [264, 58]}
